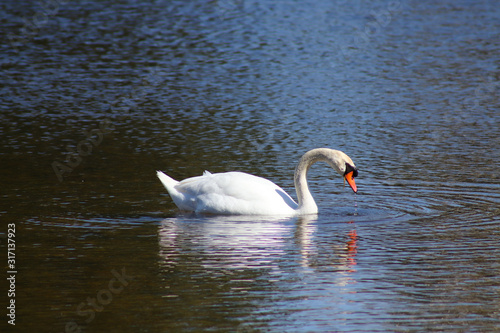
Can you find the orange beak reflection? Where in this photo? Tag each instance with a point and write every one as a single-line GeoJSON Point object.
{"type": "Point", "coordinates": [350, 181]}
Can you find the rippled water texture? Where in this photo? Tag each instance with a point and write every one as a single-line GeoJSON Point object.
{"type": "Point", "coordinates": [97, 96]}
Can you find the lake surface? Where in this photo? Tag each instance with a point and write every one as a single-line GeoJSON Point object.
{"type": "Point", "coordinates": [97, 96]}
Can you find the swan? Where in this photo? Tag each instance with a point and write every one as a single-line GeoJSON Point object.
{"type": "Point", "coordinates": [239, 193]}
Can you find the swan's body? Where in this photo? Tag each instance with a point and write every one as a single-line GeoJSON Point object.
{"type": "Point", "coordinates": [239, 193]}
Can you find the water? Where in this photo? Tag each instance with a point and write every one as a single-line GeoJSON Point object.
{"type": "Point", "coordinates": [98, 96]}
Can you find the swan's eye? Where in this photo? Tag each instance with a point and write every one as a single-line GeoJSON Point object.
{"type": "Point", "coordinates": [349, 168]}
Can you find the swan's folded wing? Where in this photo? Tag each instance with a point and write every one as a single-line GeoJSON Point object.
{"type": "Point", "coordinates": [235, 193]}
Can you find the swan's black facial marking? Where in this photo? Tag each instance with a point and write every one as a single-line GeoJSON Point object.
{"type": "Point", "coordinates": [349, 168]}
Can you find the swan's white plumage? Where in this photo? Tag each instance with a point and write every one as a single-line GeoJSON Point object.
{"type": "Point", "coordinates": [240, 193]}
{"type": "Point", "coordinates": [229, 193]}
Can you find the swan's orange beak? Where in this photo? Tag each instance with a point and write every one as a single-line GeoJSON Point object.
{"type": "Point", "coordinates": [350, 180]}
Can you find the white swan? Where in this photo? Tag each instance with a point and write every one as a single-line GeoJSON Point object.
{"type": "Point", "coordinates": [238, 193]}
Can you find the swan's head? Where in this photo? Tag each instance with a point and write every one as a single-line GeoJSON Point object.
{"type": "Point", "coordinates": [349, 174]}
{"type": "Point", "coordinates": [345, 167]}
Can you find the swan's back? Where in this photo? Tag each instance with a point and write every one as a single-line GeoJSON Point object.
{"type": "Point", "coordinates": [230, 193]}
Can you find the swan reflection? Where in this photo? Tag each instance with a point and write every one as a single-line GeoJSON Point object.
{"type": "Point", "coordinates": [337, 254]}
{"type": "Point", "coordinates": [232, 243]}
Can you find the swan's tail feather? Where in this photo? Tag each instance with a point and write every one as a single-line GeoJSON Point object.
{"type": "Point", "coordinates": [167, 181]}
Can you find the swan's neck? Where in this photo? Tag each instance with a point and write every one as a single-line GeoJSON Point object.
{"type": "Point", "coordinates": [307, 205]}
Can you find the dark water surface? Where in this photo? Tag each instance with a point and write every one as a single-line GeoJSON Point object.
{"type": "Point", "coordinates": [96, 96]}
